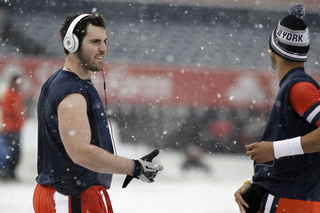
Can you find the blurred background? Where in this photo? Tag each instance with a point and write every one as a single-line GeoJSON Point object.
{"type": "Point", "coordinates": [178, 72]}
{"type": "Point", "coordinates": [190, 77]}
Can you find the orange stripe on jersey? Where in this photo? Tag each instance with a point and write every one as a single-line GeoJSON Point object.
{"type": "Point", "coordinates": [297, 206]}
{"type": "Point", "coordinates": [302, 96]}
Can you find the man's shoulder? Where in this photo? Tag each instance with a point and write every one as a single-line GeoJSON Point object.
{"type": "Point", "coordinates": [299, 75]}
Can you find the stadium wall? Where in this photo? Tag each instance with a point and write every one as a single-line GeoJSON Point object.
{"type": "Point", "coordinates": [158, 84]}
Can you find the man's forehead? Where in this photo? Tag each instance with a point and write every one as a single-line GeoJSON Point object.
{"type": "Point", "coordinates": [96, 32]}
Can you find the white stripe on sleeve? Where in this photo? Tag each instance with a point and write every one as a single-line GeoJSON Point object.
{"type": "Point", "coordinates": [313, 114]}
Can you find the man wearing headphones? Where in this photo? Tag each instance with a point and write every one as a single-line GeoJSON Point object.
{"type": "Point", "coordinates": [76, 155]}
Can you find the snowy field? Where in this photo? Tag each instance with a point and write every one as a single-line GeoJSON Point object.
{"type": "Point", "coordinates": [174, 191]}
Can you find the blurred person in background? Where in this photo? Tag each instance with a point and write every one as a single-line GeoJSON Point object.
{"type": "Point", "coordinates": [13, 119]}
{"type": "Point", "coordinates": [285, 179]}
{"type": "Point", "coordinates": [76, 154]}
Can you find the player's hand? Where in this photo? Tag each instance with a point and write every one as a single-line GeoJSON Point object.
{"type": "Point", "coordinates": [239, 199]}
{"type": "Point", "coordinates": [144, 169]}
{"type": "Point", "coordinates": [261, 152]}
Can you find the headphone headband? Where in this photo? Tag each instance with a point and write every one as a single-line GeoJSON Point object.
{"type": "Point", "coordinates": [70, 41]}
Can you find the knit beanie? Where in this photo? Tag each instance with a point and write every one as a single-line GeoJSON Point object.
{"type": "Point", "coordinates": [290, 39]}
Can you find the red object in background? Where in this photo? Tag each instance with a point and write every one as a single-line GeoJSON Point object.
{"type": "Point", "coordinates": [221, 129]}
{"type": "Point", "coordinates": [12, 109]}
{"type": "Point", "coordinates": [159, 84]}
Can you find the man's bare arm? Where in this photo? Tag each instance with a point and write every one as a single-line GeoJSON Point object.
{"type": "Point", "coordinates": [75, 133]}
{"type": "Point", "coordinates": [264, 151]}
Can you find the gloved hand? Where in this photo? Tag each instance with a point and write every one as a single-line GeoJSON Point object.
{"type": "Point", "coordinates": [144, 169]}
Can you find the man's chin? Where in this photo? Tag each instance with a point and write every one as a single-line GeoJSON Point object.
{"type": "Point", "coordinates": [95, 69]}
{"type": "Point", "coordinates": [99, 69]}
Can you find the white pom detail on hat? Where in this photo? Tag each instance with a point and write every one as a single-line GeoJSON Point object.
{"type": "Point", "coordinates": [297, 10]}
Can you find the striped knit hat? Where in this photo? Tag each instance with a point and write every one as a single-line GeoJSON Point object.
{"type": "Point", "coordinates": [290, 39]}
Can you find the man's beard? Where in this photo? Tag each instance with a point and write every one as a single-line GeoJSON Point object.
{"type": "Point", "coordinates": [87, 63]}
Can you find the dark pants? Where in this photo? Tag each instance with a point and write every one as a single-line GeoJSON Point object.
{"type": "Point", "coordinates": [12, 140]}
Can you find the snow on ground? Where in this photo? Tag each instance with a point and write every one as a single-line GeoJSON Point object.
{"type": "Point", "coordinates": [174, 191]}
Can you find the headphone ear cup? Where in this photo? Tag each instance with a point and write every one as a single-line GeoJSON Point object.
{"type": "Point", "coordinates": [71, 43]}
{"type": "Point", "coordinates": [68, 42]}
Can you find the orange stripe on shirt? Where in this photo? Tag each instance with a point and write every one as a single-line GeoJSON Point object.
{"type": "Point", "coordinates": [297, 206]}
{"type": "Point", "coordinates": [302, 96]}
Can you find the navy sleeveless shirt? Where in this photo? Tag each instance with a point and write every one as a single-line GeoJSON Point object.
{"type": "Point", "coordinates": [54, 165]}
{"type": "Point", "coordinates": [294, 177]}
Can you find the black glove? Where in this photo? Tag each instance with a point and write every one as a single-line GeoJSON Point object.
{"type": "Point", "coordinates": [253, 198]}
{"type": "Point", "coordinates": [144, 169]}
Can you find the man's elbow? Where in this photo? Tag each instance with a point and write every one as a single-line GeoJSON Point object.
{"type": "Point", "coordinates": [77, 155]}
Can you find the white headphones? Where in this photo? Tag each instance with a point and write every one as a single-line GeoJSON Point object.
{"type": "Point", "coordinates": [71, 41]}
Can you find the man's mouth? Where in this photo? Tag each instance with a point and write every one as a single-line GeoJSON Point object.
{"type": "Point", "coordinates": [100, 58]}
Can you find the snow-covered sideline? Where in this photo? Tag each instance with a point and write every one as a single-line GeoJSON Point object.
{"type": "Point", "coordinates": [174, 190]}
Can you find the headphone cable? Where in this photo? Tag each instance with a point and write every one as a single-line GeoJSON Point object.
{"type": "Point", "coordinates": [106, 103]}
